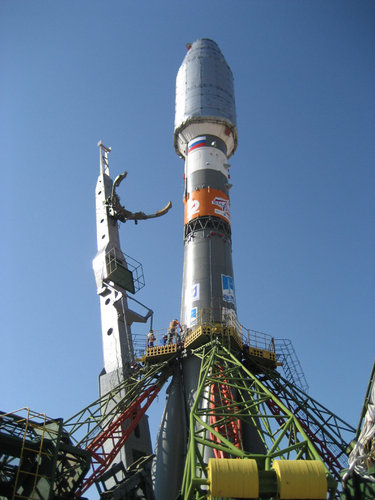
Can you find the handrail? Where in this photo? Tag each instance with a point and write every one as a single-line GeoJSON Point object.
{"type": "Point", "coordinates": [208, 318]}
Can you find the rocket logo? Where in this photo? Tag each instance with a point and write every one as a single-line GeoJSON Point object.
{"type": "Point", "coordinates": [192, 208]}
{"type": "Point", "coordinates": [223, 205]}
{"type": "Point", "coordinates": [193, 316]}
{"type": "Point", "coordinates": [228, 288]}
{"type": "Point", "coordinates": [199, 142]}
{"type": "Point", "coordinates": [206, 201]}
{"type": "Point", "coordinates": [195, 292]}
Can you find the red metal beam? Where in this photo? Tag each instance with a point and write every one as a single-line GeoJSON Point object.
{"type": "Point", "coordinates": [229, 426]}
{"type": "Point", "coordinates": [116, 434]}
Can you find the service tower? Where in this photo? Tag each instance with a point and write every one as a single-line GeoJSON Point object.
{"type": "Point", "coordinates": [113, 281]}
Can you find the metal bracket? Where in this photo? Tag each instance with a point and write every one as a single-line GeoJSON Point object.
{"type": "Point", "coordinates": [120, 213]}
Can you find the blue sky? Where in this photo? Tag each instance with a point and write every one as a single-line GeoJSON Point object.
{"type": "Point", "coordinates": [302, 201]}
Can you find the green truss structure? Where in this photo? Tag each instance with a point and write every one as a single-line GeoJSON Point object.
{"type": "Point", "coordinates": [84, 426]}
{"type": "Point", "coordinates": [284, 422]}
{"type": "Point", "coordinates": [241, 410]}
{"type": "Point", "coordinates": [43, 458]}
{"type": "Point", "coordinates": [235, 396]}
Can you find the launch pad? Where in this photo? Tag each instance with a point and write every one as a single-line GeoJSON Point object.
{"type": "Point", "coordinates": [233, 426]}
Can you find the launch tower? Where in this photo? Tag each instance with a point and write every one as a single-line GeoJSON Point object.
{"type": "Point", "coordinates": [116, 275]}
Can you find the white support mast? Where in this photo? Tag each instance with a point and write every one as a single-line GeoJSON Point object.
{"type": "Point", "coordinates": [113, 279]}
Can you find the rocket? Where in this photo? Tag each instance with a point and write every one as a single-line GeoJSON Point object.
{"type": "Point", "coordinates": [205, 136]}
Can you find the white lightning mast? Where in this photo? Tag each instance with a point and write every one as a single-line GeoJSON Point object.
{"type": "Point", "coordinates": [113, 280]}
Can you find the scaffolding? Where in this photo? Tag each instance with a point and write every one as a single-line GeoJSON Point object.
{"type": "Point", "coordinates": [287, 357]}
{"type": "Point", "coordinates": [293, 432]}
{"type": "Point", "coordinates": [124, 270]}
{"type": "Point", "coordinates": [37, 458]}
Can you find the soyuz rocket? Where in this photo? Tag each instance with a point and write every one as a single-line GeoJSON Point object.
{"type": "Point", "coordinates": [205, 136]}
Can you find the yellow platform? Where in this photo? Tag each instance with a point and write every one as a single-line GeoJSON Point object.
{"type": "Point", "coordinates": [204, 333]}
{"type": "Point", "coordinates": [161, 351]}
{"type": "Point", "coordinates": [263, 356]}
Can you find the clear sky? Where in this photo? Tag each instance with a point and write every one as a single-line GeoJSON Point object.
{"type": "Point", "coordinates": [74, 72]}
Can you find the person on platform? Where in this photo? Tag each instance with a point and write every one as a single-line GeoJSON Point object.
{"type": "Point", "coordinates": [150, 339]}
{"type": "Point", "coordinates": [172, 331]}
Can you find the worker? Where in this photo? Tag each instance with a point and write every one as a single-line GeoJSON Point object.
{"type": "Point", "coordinates": [172, 331]}
{"type": "Point", "coordinates": [135, 366]}
{"type": "Point", "coordinates": [150, 339]}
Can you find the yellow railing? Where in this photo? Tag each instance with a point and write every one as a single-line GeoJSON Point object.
{"type": "Point", "coordinates": [259, 340]}
{"type": "Point", "coordinates": [211, 323]}
{"type": "Point", "coordinates": [162, 338]}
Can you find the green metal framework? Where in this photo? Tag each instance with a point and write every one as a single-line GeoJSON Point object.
{"type": "Point", "coordinates": [234, 400]}
{"type": "Point", "coordinates": [88, 423]}
{"type": "Point", "coordinates": [328, 433]}
{"type": "Point", "coordinates": [42, 458]}
{"type": "Point", "coordinates": [37, 458]}
{"type": "Point", "coordinates": [233, 397]}
{"type": "Point", "coordinates": [111, 419]}
{"type": "Point", "coordinates": [281, 419]}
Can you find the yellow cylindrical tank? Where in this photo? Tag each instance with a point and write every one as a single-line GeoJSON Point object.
{"type": "Point", "coordinates": [233, 478]}
{"type": "Point", "coordinates": [301, 479]}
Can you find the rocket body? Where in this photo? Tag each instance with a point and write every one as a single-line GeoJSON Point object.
{"type": "Point", "coordinates": [206, 136]}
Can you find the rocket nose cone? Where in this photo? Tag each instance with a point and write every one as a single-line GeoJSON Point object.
{"type": "Point", "coordinates": [205, 42]}
{"type": "Point", "coordinates": [204, 93]}
{"type": "Point", "coordinates": [205, 46]}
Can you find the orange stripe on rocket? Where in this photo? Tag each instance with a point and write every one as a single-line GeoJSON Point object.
{"type": "Point", "coordinates": [207, 201]}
